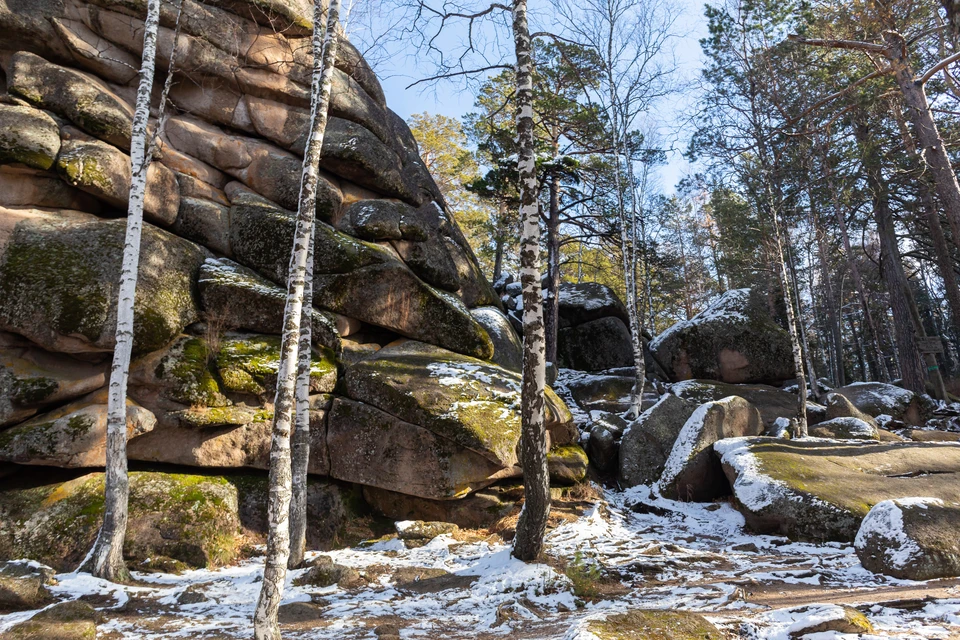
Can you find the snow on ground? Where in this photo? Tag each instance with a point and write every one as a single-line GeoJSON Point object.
{"type": "Point", "coordinates": [666, 555]}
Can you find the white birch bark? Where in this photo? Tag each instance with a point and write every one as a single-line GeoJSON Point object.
{"type": "Point", "coordinates": [265, 625]}
{"type": "Point", "coordinates": [532, 524]}
{"type": "Point", "coordinates": [300, 449]}
{"type": "Point", "coordinates": [793, 329]}
{"type": "Point", "coordinates": [106, 558]}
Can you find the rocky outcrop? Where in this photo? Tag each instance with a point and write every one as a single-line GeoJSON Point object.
{"type": "Point", "coordinates": [692, 472]}
{"type": "Point", "coordinates": [435, 419]}
{"type": "Point", "coordinates": [649, 439]}
{"type": "Point", "coordinates": [878, 398]}
{"type": "Point", "coordinates": [845, 429]}
{"type": "Point", "coordinates": [733, 340]}
{"type": "Point", "coordinates": [817, 490]}
{"type": "Point", "coordinates": [772, 403]}
{"type": "Point", "coordinates": [911, 538]}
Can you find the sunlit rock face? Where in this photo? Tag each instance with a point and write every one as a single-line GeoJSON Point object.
{"type": "Point", "coordinates": [391, 263]}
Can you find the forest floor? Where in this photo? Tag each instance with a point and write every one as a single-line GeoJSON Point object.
{"type": "Point", "coordinates": [632, 550]}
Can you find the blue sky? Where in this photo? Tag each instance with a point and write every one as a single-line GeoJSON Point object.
{"type": "Point", "coordinates": [451, 99]}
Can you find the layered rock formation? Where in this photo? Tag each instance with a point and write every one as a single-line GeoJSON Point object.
{"type": "Point", "coordinates": [414, 379]}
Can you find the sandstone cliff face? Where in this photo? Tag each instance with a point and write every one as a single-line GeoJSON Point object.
{"type": "Point", "coordinates": [432, 416]}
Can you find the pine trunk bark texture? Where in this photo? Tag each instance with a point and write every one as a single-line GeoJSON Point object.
{"type": "Point", "coordinates": [933, 152]}
{"type": "Point", "coordinates": [793, 328]}
{"type": "Point", "coordinates": [911, 365]}
{"type": "Point", "coordinates": [532, 525]}
{"type": "Point", "coordinates": [106, 559]}
{"type": "Point", "coordinates": [265, 624]}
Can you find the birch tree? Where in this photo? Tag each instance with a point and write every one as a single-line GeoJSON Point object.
{"type": "Point", "coordinates": [106, 558]}
{"type": "Point", "coordinates": [532, 525]}
{"type": "Point", "coordinates": [632, 42]}
{"type": "Point", "coordinates": [265, 623]}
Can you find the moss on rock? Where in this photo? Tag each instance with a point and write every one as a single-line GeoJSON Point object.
{"type": "Point", "coordinates": [190, 518]}
{"type": "Point", "coordinates": [654, 624]}
{"type": "Point", "coordinates": [28, 136]}
{"type": "Point", "coordinates": [59, 278]}
{"type": "Point", "coordinates": [248, 363]}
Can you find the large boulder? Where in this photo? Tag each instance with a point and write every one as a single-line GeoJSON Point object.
{"type": "Point", "coordinates": [23, 585]}
{"type": "Point", "coordinates": [838, 406]}
{"type": "Point", "coordinates": [817, 490]}
{"type": "Point", "coordinates": [507, 350]}
{"type": "Point", "coordinates": [879, 398]}
{"type": "Point", "coordinates": [480, 509]}
{"type": "Point", "coordinates": [188, 518]}
{"type": "Point", "coordinates": [845, 429]}
{"type": "Point", "coordinates": [32, 378]}
{"type": "Point", "coordinates": [75, 435]}
{"type": "Point", "coordinates": [371, 447]}
{"type": "Point", "coordinates": [911, 538]}
{"type": "Point", "coordinates": [596, 345]}
{"type": "Point", "coordinates": [234, 297]}
{"type": "Point", "coordinates": [355, 278]}
{"type": "Point", "coordinates": [586, 301]}
{"type": "Point", "coordinates": [772, 403]}
{"type": "Point", "coordinates": [30, 137]}
{"type": "Point", "coordinates": [733, 340]}
{"type": "Point", "coordinates": [472, 403]}
{"type": "Point", "coordinates": [59, 274]}
{"type": "Point", "coordinates": [649, 439]}
{"type": "Point", "coordinates": [692, 472]}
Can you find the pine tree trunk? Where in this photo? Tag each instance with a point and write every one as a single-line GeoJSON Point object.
{"type": "Point", "coordinates": [106, 558]}
{"type": "Point", "coordinates": [932, 216]}
{"type": "Point", "coordinates": [828, 293]}
{"type": "Point", "coordinates": [498, 251]}
{"type": "Point", "coordinates": [911, 366]}
{"type": "Point", "coordinates": [551, 318]}
{"type": "Point", "coordinates": [933, 152]}
{"type": "Point", "coordinates": [874, 337]}
{"type": "Point", "coordinates": [811, 370]}
{"type": "Point", "coordinates": [265, 624]}
{"type": "Point", "coordinates": [300, 441]}
{"type": "Point", "coordinates": [532, 525]}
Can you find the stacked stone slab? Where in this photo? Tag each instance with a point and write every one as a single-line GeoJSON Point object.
{"type": "Point", "coordinates": [392, 265]}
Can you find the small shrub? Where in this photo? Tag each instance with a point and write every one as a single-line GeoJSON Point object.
{"type": "Point", "coordinates": [585, 577]}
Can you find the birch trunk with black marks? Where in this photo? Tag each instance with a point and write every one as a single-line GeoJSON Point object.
{"type": "Point", "coordinates": [792, 327]}
{"type": "Point", "coordinates": [265, 624]}
{"type": "Point", "coordinates": [532, 524]}
{"type": "Point", "coordinates": [551, 316]}
{"type": "Point", "coordinates": [804, 343]}
{"type": "Point", "coordinates": [300, 441]}
{"type": "Point", "coordinates": [106, 558]}
{"type": "Point", "coordinates": [634, 307]}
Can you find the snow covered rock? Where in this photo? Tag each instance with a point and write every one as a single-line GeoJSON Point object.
{"type": "Point", "coordinates": [733, 340]}
{"type": "Point", "coordinates": [817, 489]}
{"type": "Point", "coordinates": [470, 402]}
{"type": "Point", "coordinates": [878, 398]}
{"type": "Point", "coordinates": [772, 403]}
{"type": "Point", "coordinates": [586, 301]}
{"type": "Point", "coordinates": [421, 530]}
{"type": "Point", "coordinates": [692, 472]}
{"type": "Point", "coordinates": [648, 440]}
{"type": "Point", "coordinates": [507, 350]}
{"type": "Point", "coordinates": [609, 391]}
{"type": "Point", "coordinates": [911, 538]}
{"type": "Point", "coordinates": [72, 620]}
{"type": "Point", "coordinates": [838, 406]}
{"type": "Point", "coordinates": [814, 619]}
{"type": "Point", "coordinates": [845, 429]}
{"type": "Point", "coordinates": [23, 585]}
